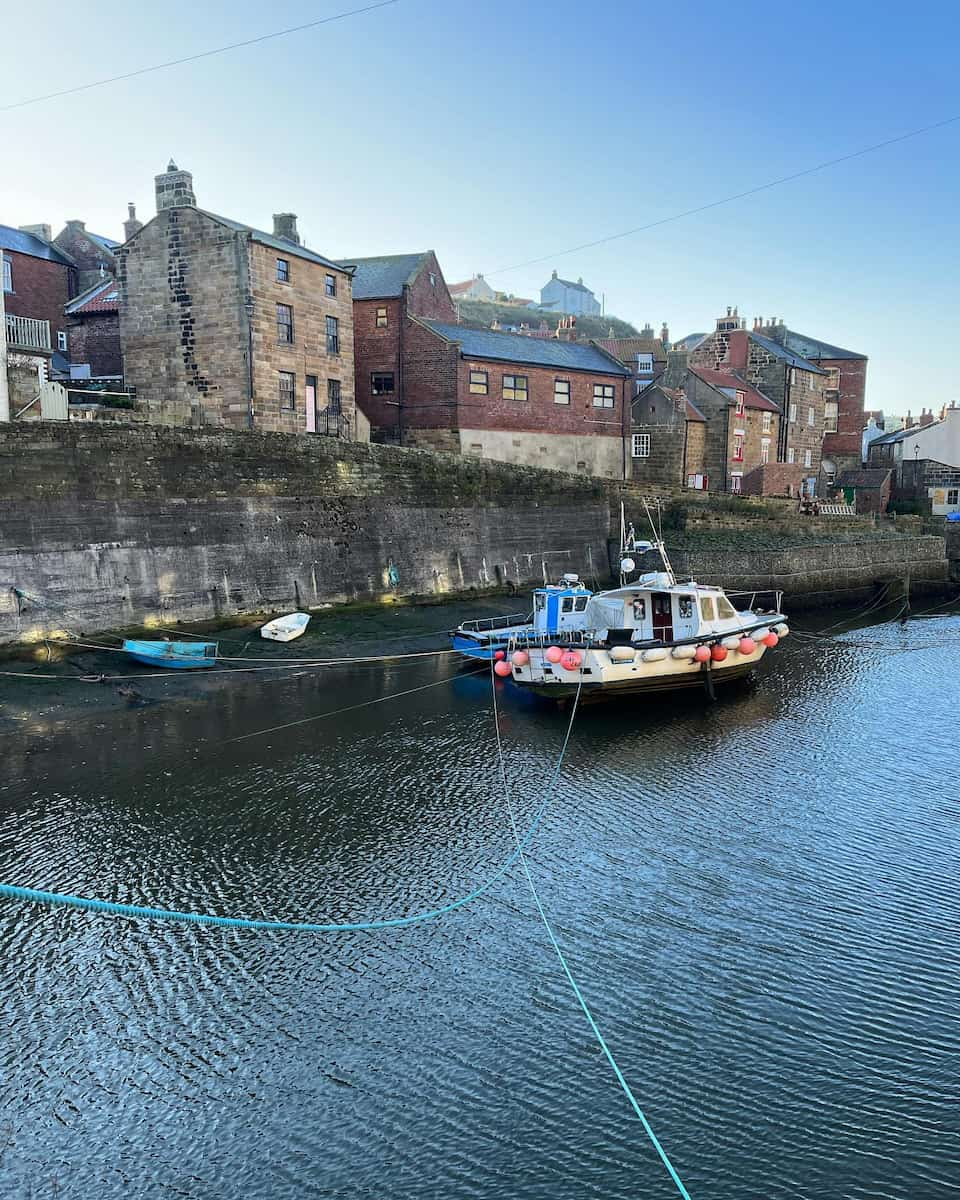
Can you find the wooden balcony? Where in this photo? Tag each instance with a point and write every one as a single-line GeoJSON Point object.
{"type": "Point", "coordinates": [24, 333]}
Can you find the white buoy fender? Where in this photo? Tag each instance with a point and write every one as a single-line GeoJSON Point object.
{"type": "Point", "coordinates": [781, 630]}
{"type": "Point", "coordinates": [759, 634]}
{"type": "Point", "coordinates": [731, 643]}
{"type": "Point", "coordinates": [622, 654]}
{"type": "Point", "coordinates": [654, 655]}
{"type": "Point", "coordinates": [684, 652]}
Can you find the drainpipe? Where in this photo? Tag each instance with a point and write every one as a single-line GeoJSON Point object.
{"type": "Point", "coordinates": [626, 425]}
{"type": "Point", "coordinates": [4, 394]}
{"type": "Point", "coordinates": [402, 320]}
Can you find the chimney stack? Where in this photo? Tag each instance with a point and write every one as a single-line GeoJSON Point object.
{"type": "Point", "coordinates": [131, 225]}
{"type": "Point", "coordinates": [285, 226]}
{"type": "Point", "coordinates": [665, 335]}
{"type": "Point", "coordinates": [676, 373]}
{"type": "Point", "coordinates": [174, 188]}
{"type": "Point", "coordinates": [44, 232]}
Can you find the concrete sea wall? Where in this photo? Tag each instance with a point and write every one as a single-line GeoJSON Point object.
{"type": "Point", "coordinates": [109, 526]}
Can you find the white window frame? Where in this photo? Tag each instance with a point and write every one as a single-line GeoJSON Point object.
{"type": "Point", "coordinates": [7, 274]}
{"type": "Point", "coordinates": [767, 422]}
{"type": "Point", "coordinates": [791, 455]}
{"type": "Point", "coordinates": [793, 414]}
{"type": "Point", "coordinates": [808, 458]}
{"type": "Point", "coordinates": [811, 416]}
{"type": "Point", "coordinates": [736, 481]}
{"type": "Point", "coordinates": [831, 421]}
{"type": "Point", "coordinates": [644, 364]}
{"type": "Point", "coordinates": [741, 403]}
{"type": "Point", "coordinates": [62, 343]}
{"type": "Point", "coordinates": [765, 450]}
{"type": "Point", "coordinates": [641, 445]}
{"type": "Point", "coordinates": [739, 444]}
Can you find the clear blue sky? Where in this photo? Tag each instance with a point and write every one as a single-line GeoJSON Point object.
{"type": "Point", "coordinates": [503, 131]}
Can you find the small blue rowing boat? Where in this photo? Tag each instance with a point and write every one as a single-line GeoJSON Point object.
{"type": "Point", "coordinates": [181, 656]}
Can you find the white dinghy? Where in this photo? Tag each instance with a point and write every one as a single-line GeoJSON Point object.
{"type": "Point", "coordinates": [285, 629]}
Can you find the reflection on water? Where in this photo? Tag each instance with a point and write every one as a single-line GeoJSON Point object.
{"type": "Point", "coordinates": [759, 897]}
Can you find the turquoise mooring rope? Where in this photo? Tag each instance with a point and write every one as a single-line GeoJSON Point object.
{"type": "Point", "coordinates": [621, 1079]}
{"type": "Point", "coordinates": [143, 912]}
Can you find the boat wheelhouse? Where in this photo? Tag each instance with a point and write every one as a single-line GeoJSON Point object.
{"type": "Point", "coordinates": [652, 634]}
{"type": "Point", "coordinates": [558, 610]}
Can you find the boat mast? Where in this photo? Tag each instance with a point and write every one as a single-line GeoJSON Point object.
{"type": "Point", "coordinates": [658, 541]}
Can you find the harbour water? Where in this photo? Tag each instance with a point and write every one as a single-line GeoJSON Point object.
{"type": "Point", "coordinates": [760, 898]}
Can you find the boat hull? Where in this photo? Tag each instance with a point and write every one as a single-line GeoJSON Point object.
{"type": "Point", "coordinates": [591, 693]}
{"type": "Point", "coordinates": [176, 656]}
{"type": "Point", "coordinates": [479, 650]}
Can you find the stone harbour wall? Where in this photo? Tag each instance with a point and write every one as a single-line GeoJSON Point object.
{"type": "Point", "coordinates": [113, 526]}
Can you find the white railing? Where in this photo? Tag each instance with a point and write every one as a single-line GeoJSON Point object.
{"type": "Point", "coordinates": [25, 333]}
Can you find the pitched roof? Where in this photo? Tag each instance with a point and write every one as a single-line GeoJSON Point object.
{"type": "Point", "coordinates": [457, 289]}
{"type": "Point", "coordinates": [105, 242]}
{"type": "Point", "coordinates": [898, 435]}
{"type": "Point", "coordinates": [752, 397]}
{"type": "Point", "coordinates": [790, 357]}
{"type": "Point", "coordinates": [812, 348]}
{"type": "Point", "coordinates": [384, 277]}
{"type": "Point", "coordinates": [568, 283]}
{"type": "Point", "coordinates": [103, 297]}
{"type": "Point", "coordinates": [690, 342]}
{"type": "Point", "coordinates": [268, 239]}
{"type": "Point", "coordinates": [537, 352]}
{"type": "Point", "coordinates": [870, 478]}
{"type": "Point", "coordinates": [28, 243]}
{"type": "Point", "coordinates": [626, 349]}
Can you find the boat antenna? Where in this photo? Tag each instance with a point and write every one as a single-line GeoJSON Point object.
{"type": "Point", "coordinates": [658, 538]}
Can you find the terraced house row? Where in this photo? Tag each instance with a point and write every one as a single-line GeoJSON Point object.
{"type": "Point", "coordinates": [201, 319]}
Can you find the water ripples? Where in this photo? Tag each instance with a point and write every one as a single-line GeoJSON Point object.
{"type": "Point", "coordinates": [760, 899]}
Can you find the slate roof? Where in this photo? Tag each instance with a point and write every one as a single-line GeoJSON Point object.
{"type": "Point", "coordinates": [568, 283]}
{"type": "Point", "coordinates": [383, 277]}
{"type": "Point", "coordinates": [626, 349]}
{"type": "Point", "coordinates": [105, 242]}
{"type": "Point", "coordinates": [690, 342]}
{"type": "Point", "coordinates": [898, 435]}
{"type": "Point", "coordinates": [286, 248]}
{"type": "Point", "coordinates": [691, 412]}
{"type": "Point", "coordinates": [536, 352]}
{"type": "Point", "coordinates": [870, 478]}
{"type": "Point", "coordinates": [103, 297]}
{"type": "Point", "coordinates": [811, 348]}
{"type": "Point", "coordinates": [790, 357]}
{"type": "Point", "coordinates": [27, 243]}
{"type": "Point", "coordinates": [752, 398]}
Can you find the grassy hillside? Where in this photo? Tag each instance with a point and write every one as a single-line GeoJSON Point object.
{"type": "Point", "coordinates": [475, 312]}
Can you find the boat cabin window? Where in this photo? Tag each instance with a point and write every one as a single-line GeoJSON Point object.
{"type": "Point", "coordinates": [707, 609]}
{"type": "Point", "coordinates": [685, 608]}
{"type": "Point", "coordinates": [539, 601]}
{"type": "Point", "coordinates": [725, 608]}
{"type": "Point", "coordinates": [581, 603]}
{"type": "Point", "coordinates": [639, 608]}
{"type": "Point", "coordinates": [566, 605]}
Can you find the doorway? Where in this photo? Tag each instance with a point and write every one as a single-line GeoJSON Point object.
{"type": "Point", "coordinates": [662, 616]}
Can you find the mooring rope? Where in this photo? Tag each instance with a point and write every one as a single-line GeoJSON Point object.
{"type": "Point", "coordinates": [145, 912]}
{"type": "Point", "coordinates": [581, 999]}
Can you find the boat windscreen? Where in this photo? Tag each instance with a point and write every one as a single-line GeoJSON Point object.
{"type": "Point", "coordinates": [605, 614]}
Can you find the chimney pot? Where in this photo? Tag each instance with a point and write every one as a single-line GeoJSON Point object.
{"type": "Point", "coordinates": [285, 226]}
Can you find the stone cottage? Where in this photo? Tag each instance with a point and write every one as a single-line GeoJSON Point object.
{"type": "Point", "coordinates": [224, 324]}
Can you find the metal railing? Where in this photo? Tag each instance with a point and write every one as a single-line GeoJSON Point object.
{"type": "Point", "coordinates": [26, 333]}
{"type": "Point", "coordinates": [485, 624]}
{"type": "Point", "coordinates": [331, 422]}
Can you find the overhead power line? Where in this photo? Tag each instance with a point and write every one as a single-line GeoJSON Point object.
{"type": "Point", "coordinates": [176, 62]}
{"type": "Point", "coordinates": [762, 187]}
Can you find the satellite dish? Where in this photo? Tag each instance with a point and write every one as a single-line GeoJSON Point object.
{"type": "Point", "coordinates": [627, 565]}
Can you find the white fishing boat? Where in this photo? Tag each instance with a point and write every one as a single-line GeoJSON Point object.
{"type": "Point", "coordinates": [649, 635]}
{"type": "Point", "coordinates": [285, 629]}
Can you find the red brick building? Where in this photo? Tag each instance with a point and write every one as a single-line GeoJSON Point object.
{"type": "Point", "coordinates": [38, 280]}
{"type": "Point", "coordinates": [538, 402]}
{"type": "Point", "coordinates": [93, 334]}
{"type": "Point", "coordinates": [388, 292]}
